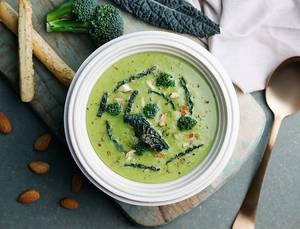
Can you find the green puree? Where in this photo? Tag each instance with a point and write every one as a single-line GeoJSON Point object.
{"type": "Point", "coordinates": [204, 112]}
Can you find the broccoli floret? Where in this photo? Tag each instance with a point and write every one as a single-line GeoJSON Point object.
{"type": "Point", "coordinates": [114, 109]}
{"type": "Point", "coordinates": [165, 80]}
{"type": "Point", "coordinates": [105, 25]}
{"type": "Point", "coordinates": [80, 10]}
{"type": "Point", "coordinates": [140, 148]}
{"type": "Point", "coordinates": [186, 123]}
{"type": "Point", "coordinates": [150, 110]}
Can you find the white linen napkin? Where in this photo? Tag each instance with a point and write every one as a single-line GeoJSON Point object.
{"type": "Point", "coordinates": [256, 35]}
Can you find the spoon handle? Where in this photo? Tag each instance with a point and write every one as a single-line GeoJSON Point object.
{"type": "Point", "coordinates": [247, 213]}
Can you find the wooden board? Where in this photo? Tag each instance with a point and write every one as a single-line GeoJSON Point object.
{"type": "Point", "coordinates": [50, 97]}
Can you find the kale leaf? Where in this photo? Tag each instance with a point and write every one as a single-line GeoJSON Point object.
{"type": "Point", "coordinates": [176, 15]}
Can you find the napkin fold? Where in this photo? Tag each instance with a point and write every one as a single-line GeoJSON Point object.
{"type": "Point", "coordinates": [256, 36]}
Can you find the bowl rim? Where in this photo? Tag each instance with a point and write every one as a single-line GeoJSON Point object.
{"type": "Point", "coordinates": [91, 165]}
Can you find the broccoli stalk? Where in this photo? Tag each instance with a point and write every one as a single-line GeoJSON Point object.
{"type": "Point", "coordinates": [81, 10]}
{"type": "Point", "coordinates": [105, 25]}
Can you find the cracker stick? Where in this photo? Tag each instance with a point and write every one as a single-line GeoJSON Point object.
{"type": "Point", "coordinates": [41, 49]}
{"type": "Point", "coordinates": [26, 71]}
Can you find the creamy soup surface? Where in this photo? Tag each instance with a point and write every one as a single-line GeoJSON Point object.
{"type": "Point", "coordinates": [161, 145]}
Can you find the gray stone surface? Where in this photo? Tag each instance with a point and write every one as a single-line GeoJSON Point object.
{"type": "Point", "coordinates": [279, 206]}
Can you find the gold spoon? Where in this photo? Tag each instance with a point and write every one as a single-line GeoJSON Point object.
{"type": "Point", "coordinates": [283, 98]}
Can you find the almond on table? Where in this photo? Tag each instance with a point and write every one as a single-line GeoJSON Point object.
{"type": "Point", "coordinates": [29, 196]}
{"type": "Point", "coordinates": [69, 203]}
{"type": "Point", "coordinates": [42, 142]}
{"type": "Point", "coordinates": [39, 167]}
{"type": "Point", "coordinates": [5, 124]}
{"type": "Point", "coordinates": [77, 182]}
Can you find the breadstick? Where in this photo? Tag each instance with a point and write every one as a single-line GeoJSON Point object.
{"type": "Point", "coordinates": [26, 71]}
{"type": "Point", "coordinates": [41, 49]}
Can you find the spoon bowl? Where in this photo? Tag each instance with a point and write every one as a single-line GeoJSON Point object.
{"type": "Point", "coordinates": [283, 90]}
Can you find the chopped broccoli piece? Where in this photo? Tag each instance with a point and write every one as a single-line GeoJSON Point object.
{"type": "Point", "coordinates": [150, 110]}
{"type": "Point", "coordinates": [105, 25]}
{"type": "Point", "coordinates": [186, 123]}
{"type": "Point", "coordinates": [81, 10]}
{"type": "Point", "coordinates": [114, 109]}
{"type": "Point", "coordinates": [140, 148]}
{"type": "Point", "coordinates": [165, 80]}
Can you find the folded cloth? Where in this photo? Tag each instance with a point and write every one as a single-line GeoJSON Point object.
{"type": "Point", "coordinates": [255, 37]}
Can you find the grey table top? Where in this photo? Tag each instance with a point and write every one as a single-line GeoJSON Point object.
{"type": "Point", "coordinates": [279, 206]}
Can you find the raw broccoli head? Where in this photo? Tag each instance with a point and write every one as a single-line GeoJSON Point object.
{"type": "Point", "coordinates": [84, 10]}
{"type": "Point", "coordinates": [186, 123]}
{"type": "Point", "coordinates": [106, 24]}
{"type": "Point", "coordinates": [114, 109]}
{"type": "Point", "coordinates": [165, 80]}
{"type": "Point", "coordinates": [80, 10]}
{"type": "Point", "coordinates": [150, 110]}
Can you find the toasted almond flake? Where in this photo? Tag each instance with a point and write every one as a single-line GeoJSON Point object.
{"type": "Point", "coordinates": [125, 88]}
{"type": "Point", "coordinates": [130, 154]}
{"type": "Point", "coordinates": [163, 119]}
{"type": "Point", "coordinates": [184, 110]}
{"type": "Point", "coordinates": [178, 136]}
{"type": "Point", "coordinates": [160, 155]}
{"type": "Point", "coordinates": [150, 85]}
{"type": "Point", "coordinates": [192, 136]}
{"type": "Point", "coordinates": [143, 103]}
{"type": "Point", "coordinates": [120, 100]}
{"type": "Point", "coordinates": [174, 95]}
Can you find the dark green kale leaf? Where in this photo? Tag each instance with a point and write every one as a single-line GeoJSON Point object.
{"type": "Point", "coordinates": [118, 145]}
{"type": "Point", "coordinates": [145, 133]}
{"type": "Point", "coordinates": [135, 77]}
{"type": "Point", "coordinates": [165, 80]}
{"type": "Point", "coordinates": [176, 15]}
{"type": "Point", "coordinates": [140, 148]}
{"type": "Point", "coordinates": [142, 166]}
{"type": "Point", "coordinates": [186, 123]}
{"type": "Point", "coordinates": [114, 109]}
{"type": "Point", "coordinates": [182, 154]}
{"type": "Point", "coordinates": [102, 106]}
{"type": "Point", "coordinates": [150, 110]}
{"type": "Point", "coordinates": [131, 101]}
{"type": "Point", "coordinates": [188, 96]}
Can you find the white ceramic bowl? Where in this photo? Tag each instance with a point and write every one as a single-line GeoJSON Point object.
{"type": "Point", "coordinates": [134, 192]}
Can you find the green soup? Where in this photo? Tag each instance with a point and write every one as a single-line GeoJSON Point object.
{"type": "Point", "coordinates": [186, 148]}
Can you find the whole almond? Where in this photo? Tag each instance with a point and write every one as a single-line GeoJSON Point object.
{"type": "Point", "coordinates": [29, 196]}
{"type": "Point", "coordinates": [77, 182]}
{"type": "Point", "coordinates": [39, 167]}
{"type": "Point", "coordinates": [5, 124]}
{"type": "Point", "coordinates": [69, 203]}
{"type": "Point", "coordinates": [42, 142]}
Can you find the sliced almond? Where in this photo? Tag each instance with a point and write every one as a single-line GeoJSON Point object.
{"type": "Point", "coordinates": [5, 124]}
{"type": "Point", "coordinates": [184, 110]}
{"type": "Point", "coordinates": [125, 88]}
{"type": "Point", "coordinates": [77, 182]}
{"type": "Point", "coordinates": [39, 167]}
{"type": "Point", "coordinates": [178, 136]}
{"type": "Point", "coordinates": [42, 142]}
{"type": "Point", "coordinates": [174, 95]}
{"type": "Point", "coordinates": [150, 85]}
{"type": "Point", "coordinates": [160, 155]}
{"type": "Point", "coordinates": [69, 203]}
{"type": "Point", "coordinates": [130, 154]}
{"type": "Point", "coordinates": [120, 100]}
{"type": "Point", "coordinates": [29, 196]}
{"type": "Point", "coordinates": [163, 119]}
